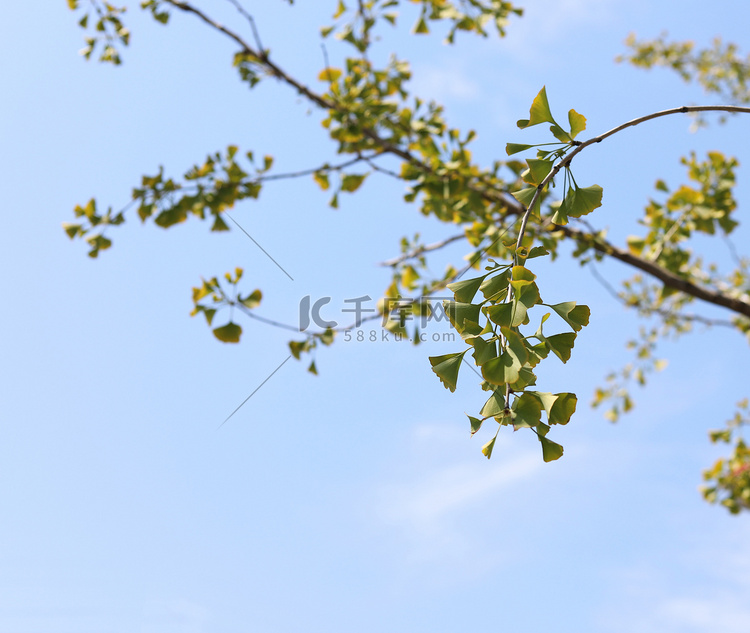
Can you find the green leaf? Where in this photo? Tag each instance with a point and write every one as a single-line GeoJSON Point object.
{"type": "Point", "coordinates": [476, 424]}
{"type": "Point", "coordinates": [501, 370]}
{"type": "Point", "coordinates": [559, 216]}
{"type": "Point", "coordinates": [329, 74]}
{"type": "Point", "coordinates": [491, 287]}
{"type": "Point", "coordinates": [525, 196]}
{"type": "Point", "coordinates": [560, 134]}
{"type": "Point", "coordinates": [505, 368]}
{"type": "Point", "coordinates": [352, 182]}
{"type": "Point", "coordinates": [487, 448]}
{"type": "Point", "coordinates": [582, 200]}
{"type": "Point", "coordinates": [340, 10]}
{"type": "Point", "coordinates": [421, 27]}
{"type": "Point", "coordinates": [577, 123]}
{"type": "Point", "coordinates": [229, 333]}
{"type": "Point", "coordinates": [558, 406]}
{"type": "Point", "coordinates": [575, 316]}
{"type": "Point", "coordinates": [526, 378]}
{"type": "Point", "coordinates": [219, 224]}
{"type": "Point", "coordinates": [495, 406]}
{"type": "Point", "coordinates": [521, 304]}
{"type": "Point", "coordinates": [563, 409]}
{"type": "Point", "coordinates": [465, 290]}
{"type": "Point", "coordinates": [321, 178]}
{"type": "Point", "coordinates": [500, 314]}
{"type": "Point", "coordinates": [536, 352]}
{"type": "Point", "coordinates": [527, 410]}
{"type": "Point", "coordinates": [297, 347]}
{"type": "Point", "coordinates": [561, 345]}
{"type": "Point", "coordinates": [483, 350]}
{"type": "Point", "coordinates": [538, 171]}
{"type": "Point", "coordinates": [252, 300]}
{"type": "Point", "coordinates": [515, 148]}
{"type": "Point", "coordinates": [577, 202]}
{"type": "Point", "coordinates": [460, 313]}
{"type": "Point", "coordinates": [514, 345]}
{"type": "Point", "coordinates": [72, 229]}
{"type": "Point", "coordinates": [537, 251]}
{"type": "Point", "coordinates": [521, 276]}
{"type": "Point", "coordinates": [312, 368]}
{"type": "Point", "coordinates": [539, 112]}
{"type": "Point", "coordinates": [550, 450]}
{"type": "Point", "coordinates": [446, 367]}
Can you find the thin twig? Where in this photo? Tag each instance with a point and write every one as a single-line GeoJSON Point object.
{"type": "Point", "coordinates": [252, 315]}
{"type": "Point", "coordinates": [251, 20]}
{"type": "Point", "coordinates": [565, 161]}
{"type": "Point", "coordinates": [422, 249]}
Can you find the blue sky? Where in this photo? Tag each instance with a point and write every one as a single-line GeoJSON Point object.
{"type": "Point", "coordinates": [354, 500]}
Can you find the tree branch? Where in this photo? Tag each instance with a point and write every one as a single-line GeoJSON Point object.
{"type": "Point", "coordinates": [697, 318]}
{"type": "Point", "coordinates": [262, 57]}
{"type": "Point", "coordinates": [666, 277]}
{"type": "Point", "coordinates": [512, 206]}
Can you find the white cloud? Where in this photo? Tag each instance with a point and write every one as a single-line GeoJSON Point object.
{"type": "Point", "coordinates": [434, 510]}
{"type": "Point", "coordinates": [445, 83]}
{"type": "Point", "coordinates": [701, 591]}
{"type": "Point", "coordinates": [551, 21]}
{"type": "Point", "coordinates": [451, 490]}
{"type": "Point", "coordinates": [728, 614]}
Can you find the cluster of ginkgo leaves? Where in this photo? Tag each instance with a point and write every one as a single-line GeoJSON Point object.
{"type": "Point", "coordinates": [492, 326]}
{"type": "Point", "coordinates": [506, 356]}
{"type": "Point", "coordinates": [728, 480]}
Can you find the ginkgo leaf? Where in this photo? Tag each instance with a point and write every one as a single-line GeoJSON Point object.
{"type": "Point", "coordinates": [460, 312]}
{"type": "Point", "coordinates": [352, 182]}
{"type": "Point", "coordinates": [527, 410]}
{"type": "Point", "coordinates": [500, 314]}
{"type": "Point", "coordinates": [577, 123]}
{"type": "Point", "coordinates": [525, 196]}
{"type": "Point", "coordinates": [538, 171]}
{"type": "Point", "coordinates": [483, 350]}
{"type": "Point", "coordinates": [329, 74]}
{"type": "Point", "coordinates": [252, 300]}
{"type": "Point", "coordinates": [550, 450]}
{"type": "Point", "coordinates": [492, 286]}
{"type": "Point", "coordinates": [229, 333]}
{"type": "Point", "coordinates": [476, 424]}
{"type": "Point", "coordinates": [537, 251]}
{"type": "Point", "coordinates": [558, 406]}
{"type": "Point", "coordinates": [487, 448]}
{"type": "Point", "coordinates": [586, 200]}
{"type": "Point", "coordinates": [446, 367]}
{"type": "Point", "coordinates": [495, 406]}
{"type": "Point", "coordinates": [465, 290]}
{"type": "Point", "coordinates": [539, 112]}
{"type": "Point", "coordinates": [560, 134]}
{"type": "Point", "coordinates": [561, 345]}
{"type": "Point", "coordinates": [574, 315]}
{"type": "Point", "coordinates": [515, 148]}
